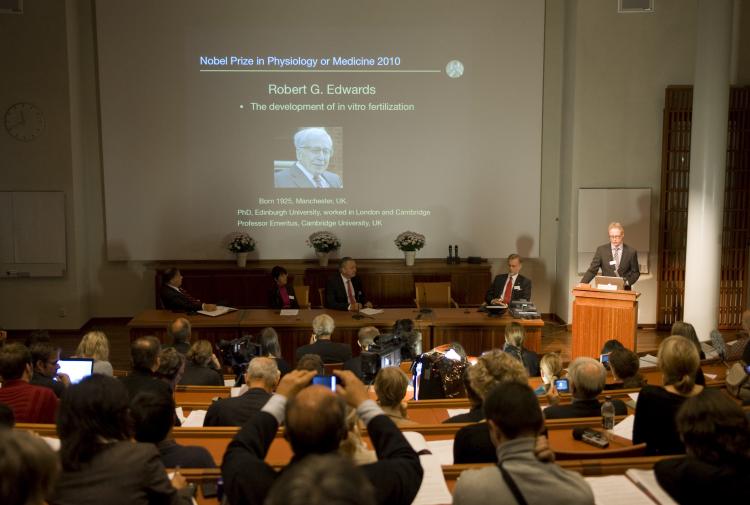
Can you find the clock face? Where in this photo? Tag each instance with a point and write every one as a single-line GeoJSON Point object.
{"type": "Point", "coordinates": [24, 121]}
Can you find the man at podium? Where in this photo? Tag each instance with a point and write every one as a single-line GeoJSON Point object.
{"type": "Point", "coordinates": [615, 259]}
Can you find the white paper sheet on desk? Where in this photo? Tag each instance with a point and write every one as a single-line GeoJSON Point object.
{"type": "Point", "coordinates": [371, 312]}
{"type": "Point", "coordinates": [648, 361]}
{"type": "Point", "coordinates": [646, 481]}
{"type": "Point", "coordinates": [180, 415]}
{"type": "Point", "coordinates": [624, 428]}
{"type": "Point", "coordinates": [195, 419]}
{"type": "Point", "coordinates": [235, 392]}
{"type": "Point", "coordinates": [229, 383]}
{"type": "Point", "coordinates": [220, 311]}
{"type": "Point", "coordinates": [443, 449]}
{"type": "Point", "coordinates": [633, 396]}
{"type": "Point", "coordinates": [617, 490]}
{"type": "Point", "coordinates": [711, 376]}
{"type": "Point", "coordinates": [53, 443]}
{"type": "Point", "coordinates": [289, 312]}
{"type": "Point", "coordinates": [433, 490]}
{"type": "Point", "coordinates": [456, 412]}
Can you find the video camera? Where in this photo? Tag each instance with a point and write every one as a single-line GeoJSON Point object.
{"type": "Point", "coordinates": [237, 353]}
{"type": "Point", "coordinates": [384, 352]}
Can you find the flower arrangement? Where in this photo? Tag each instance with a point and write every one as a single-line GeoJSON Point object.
{"type": "Point", "coordinates": [241, 242]}
{"type": "Point", "coordinates": [410, 241]}
{"type": "Point", "coordinates": [323, 241]}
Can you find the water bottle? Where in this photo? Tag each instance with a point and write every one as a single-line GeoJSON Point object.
{"type": "Point", "coordinates": [608, 414]}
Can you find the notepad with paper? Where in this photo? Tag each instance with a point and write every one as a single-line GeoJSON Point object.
{"type": "Point", "coordinates": [433, 490]}
{"type": "Point", "coordinates": [636, 487]}
{"type": "Point", "coordinates": [220, 311]}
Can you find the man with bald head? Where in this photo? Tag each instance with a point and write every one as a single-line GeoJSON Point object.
{"type": "Point", "coordinates": [179, 330]}
{"type": "Point", "coordinates": [315, 424]}
{"type": "Point", "coordinates": [261, 378]}
{"type": "Point", "coordinates": [144, 352]}
{"type": "Point", "coordinates": [314, 149]}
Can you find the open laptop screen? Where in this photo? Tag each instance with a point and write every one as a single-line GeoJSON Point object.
{"type": "Point", "coordinates": [76, 368]}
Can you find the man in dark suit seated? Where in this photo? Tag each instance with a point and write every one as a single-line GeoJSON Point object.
{"type": "Point", "coordinates": [315, 420]}
{"type": "Point", "coordinates": [154, 418]}
{"type": "Point", "coordinates": [173, 297]}
{"type": "Point", "coordinates": [144, 353]}
{"type": "Point", "coordinates": [511, 286]}
{"type": "Point", "coordinates": [344, 290]}
{"type": "Point", "coordinates": [615, 259]}
{"type": "Point", "coordinates": [320, 342]}
{"type": "Point", "coordinates": [179, 331]}
{"type": "Point", "coordinates": [587, 377]}
{"type": "Point", "coordinates": [365, 338]}
{"type": "Point", "coordinates": [261, 378]}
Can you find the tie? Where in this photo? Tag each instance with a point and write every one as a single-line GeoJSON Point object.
{"type": "Point", "coordinates": [617, 260]}
{"type": "Point", "coordinates": [508, 290]}
{"type": "Point", "coordinates": [318, 180]}
{"type": "Point", "coordinates": [350, 292]}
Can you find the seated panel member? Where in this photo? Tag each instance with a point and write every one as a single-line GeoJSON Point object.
{"type": "Point", "coordinates": [314, 150]}
{"type": "Point", "coordinates": [173, 297]}
{"type": "Point", "coordinates": [344, 290]}
{"type": "Point", "coordinates": [282, 295]}
{"type": "Point", "coordinates": [615, 259]}
{"type": "Point", "coordinates": [511, 286]}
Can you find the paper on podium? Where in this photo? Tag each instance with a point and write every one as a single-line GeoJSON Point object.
{"type": "Point", "coordinates": [220, 311]}
{"type": "Point", "coordinates": [195, 419]}
{"type": "Point", "coordinates": [371, 312]}
{"type": "Point", "coordinates": [289, 312]}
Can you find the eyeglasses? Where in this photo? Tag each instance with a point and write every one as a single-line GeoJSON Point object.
{"type": "Point", "coordinates": [615, 236]}
{"type": "Point", "coordinates": [318, 150]}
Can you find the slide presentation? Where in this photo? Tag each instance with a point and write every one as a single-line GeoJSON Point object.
{"type": "Point", "coordinates": [281, 118]}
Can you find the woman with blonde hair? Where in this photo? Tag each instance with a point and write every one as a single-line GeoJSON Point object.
{"type": "Point", "coordinates": [551, 369]}
{"type": "Point", "coordinates": [657, 406]}
{"type": "Point", "coordinates": [390, 388]}
{"type": "Point", "coordinates": [94, 344]}
{"type": "Point", "coordinates": [202, 368]}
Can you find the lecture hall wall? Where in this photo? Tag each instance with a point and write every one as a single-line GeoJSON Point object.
{"type": "Point", "coordinates": [604, 80]}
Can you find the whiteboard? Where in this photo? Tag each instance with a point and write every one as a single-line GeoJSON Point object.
{"type": "Point", "coordinates": [597, 207]}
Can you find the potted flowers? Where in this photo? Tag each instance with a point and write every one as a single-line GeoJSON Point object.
{"type": "Point", "coordinates": [323, 242]}
{"type": "Point", "coordinates": [410, 242]}
{"type": "Point", "coordinates": [241, 244]}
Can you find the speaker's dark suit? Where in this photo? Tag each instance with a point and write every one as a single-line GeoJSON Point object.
{"type": "Point", "coordinates": [521, 288]}
{"type": "Point", "coordinates": [603, 259]}
{"type": "Point", "coordinates": [336, 297]}
{"type": "Point", "coordinates": [179, 301]}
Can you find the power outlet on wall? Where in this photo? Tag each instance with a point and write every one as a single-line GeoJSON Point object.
{"type": "Point", "coordinates": [62, 312]}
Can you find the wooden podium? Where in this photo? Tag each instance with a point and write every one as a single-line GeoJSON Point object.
{"type": "Point", "coordinates": [600, 315]}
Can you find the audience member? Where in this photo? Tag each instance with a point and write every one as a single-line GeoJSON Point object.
{"type": "Point", "coordinates": [179, 332]}
{"type": "Point", "coordinates": [202, 368]}
{"type": "Point", "coordinates": [261, 378]}
{"type": "Point", "coordinates": [687, 330]}
{"type": "Point", "coordinates": [624, 365]}
{"type": "Point", "coordinates": [153, 420]}
{"type": "Point", "coordinates": [472, 443]}
{"type": "Point", "coordinates": [475, 413]}
{"type": "Point", "coordinates": [515, 420]}
{"type": "Point", "coordinates": [410, 337]}
{"type": "Point", "coordinates": [45, 358]}
{"type": "Point", "coordinates": [94, 344]}
{"type": "Point", "coordinates": [28, 469]}
{"type": "Point", "coordinates": [144, 352]}
{"type": "Point", "coordinates": [551, 369]}
{"type": "Point", "coordinates": [30, 404]}
{"type": "Point", "coordinates": [100, 463]}
{"type": "Point", "coordinates": [365, 338]}
{"type": "Point", "coordinates": [514, 337]}
{"type": "Point", "coordinates": [657, 406]}
{"type": "Point", "coordinates": [344, 290]}
{"type": "Point", "coordinates": [171, 367]}
{"type": "Point", "coordinates": [315, 424]}
{"type": "Point", "coordinates": [390, 389]}
{"type": "Point", "coordinates": [320, 342]}
{"type": "Point", "coordinates": [586, 377]}
{"type": "Point", "coordinates": [281, 295]}
{"type": "Point", "coordinates": [716, 469]}
{"type": "Point", "coordinates": [7, 419]}
{"type": "Point", "coordinates": [174, 298]}
{"type": "Point", "coordinates": [322, 480]}
{"type": "Point", "coordinates": [270, 348]}
{"type": "Point", "coordinates": [311, 362]}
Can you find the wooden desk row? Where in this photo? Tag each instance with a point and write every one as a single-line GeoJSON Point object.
{"type": "Point", "coordinates": [476, 331]}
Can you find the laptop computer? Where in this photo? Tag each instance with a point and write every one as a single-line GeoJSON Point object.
{"type": "Point", "coordinates": [76, 368]}
{"type": "Point", "coordinates": [609, 283]}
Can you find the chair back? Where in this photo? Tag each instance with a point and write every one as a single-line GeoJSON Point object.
{"type": "Point", "coordinates": [303, 296]}
{"type": "Point", "coordinates": [434, 295]}
{"type": "Point", "coordinates": [322, 295]}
